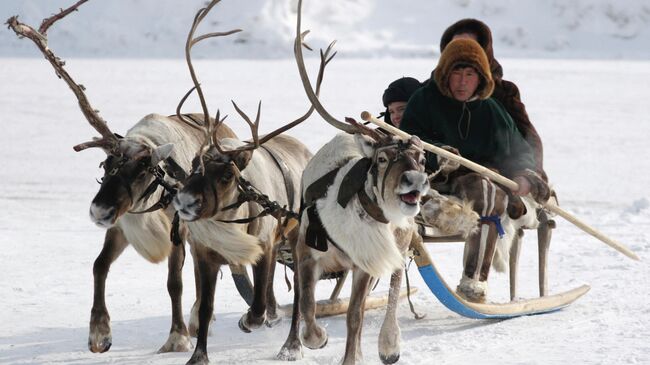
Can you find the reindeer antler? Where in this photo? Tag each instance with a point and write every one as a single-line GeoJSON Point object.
{"type": "Point", "coordinates": [211, 128]}
{"type": "Point", "coordinates": [191, 41]}
{"type": "Point", "coordinates": [108, 140]}
{"type": "Point", "coordinates": [313, 98]}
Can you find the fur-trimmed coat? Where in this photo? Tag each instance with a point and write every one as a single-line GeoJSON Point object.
{"type": "Point", "coordinates": [506, 92]}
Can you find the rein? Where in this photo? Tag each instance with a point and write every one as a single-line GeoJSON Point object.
{"type": "Point", "coordinates": [249, 193]}
{"type": "Point", "coordinates": [174, 171]}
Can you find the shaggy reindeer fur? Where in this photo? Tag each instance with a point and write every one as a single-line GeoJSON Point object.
{"type": "Point", "coordinates": [369, 244]}
{"type": "Point", "coordinates": [242, 244]}
{"type": "Point", "coordinates": [448, 214]}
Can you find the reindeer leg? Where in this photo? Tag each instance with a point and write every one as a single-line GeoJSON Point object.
{"type": "Point", "coordinates": [194, 313]}
{"type": "Point", "coordinates": [313, 335]}
{"type": "Point", "coordinates": [515, 249]}
{"type": "Point", "coordinates": [99, 337]}
{"type": "Point", "coordinates": [208, 271]}
{"type": "Point", "coordinates": [255, 316]}
{"type": "Point", "coordinates": [389, 336]}
{"type": "Point", "coordinates": [480, 247]}
{"type": "Point", "coordinates": [544, 232]}
{"type": "Point", "coordinates": [292, 348]}
{"type": "Point", "coordinates": [272, 317]}
{"type": "Point", "coordinates": [179, 337]}
{"type": "Point", "coordinates": [354, 319]}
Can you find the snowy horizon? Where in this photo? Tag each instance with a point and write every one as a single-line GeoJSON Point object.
{"type": "Point", "coordinates": [599, 29]}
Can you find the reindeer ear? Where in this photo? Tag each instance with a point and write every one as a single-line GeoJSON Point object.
{"type": "Point", "coordinates": [242, 159]}
{"type": "Point", "coordinates": [161, 152]}
{"type": "Point", "coordinates": [366, 144]}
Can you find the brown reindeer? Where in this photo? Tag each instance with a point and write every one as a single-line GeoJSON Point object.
{"type": "Point", "coordinates": [141, 171]}
{"type": "Point", "coordinates": [497, 241]}
{"type": "Point", "coordinates": [360, 195]}
{"type": "Point", "coordinates": [236, 204]}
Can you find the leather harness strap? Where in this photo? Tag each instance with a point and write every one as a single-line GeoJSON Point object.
{"type": "Point", "coordinates": [286, 175]}
{"type": "Point", "coordinates": [371, 207]}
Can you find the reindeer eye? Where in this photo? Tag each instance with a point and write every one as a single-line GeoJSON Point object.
{"type": "Point", "coordinates": [227, 176]}
{"type": "Point", "coordinates": [423, 161]}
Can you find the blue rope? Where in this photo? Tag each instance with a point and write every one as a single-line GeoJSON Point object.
{"type": "Point", "coordinates": [497, 222]}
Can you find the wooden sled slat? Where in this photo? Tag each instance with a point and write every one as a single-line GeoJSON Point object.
{"type": "Point", "coordinates": [454, 302]}
{"type": "Point", "coordinates": [327, 307]}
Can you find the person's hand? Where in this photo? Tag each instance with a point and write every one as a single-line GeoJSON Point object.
{"type": "Point", "coordinates": [530, 182]}
{"type": "Point", "coordinates": [524, 186]}
{"type": "Point", "coordinates": [448, 166]}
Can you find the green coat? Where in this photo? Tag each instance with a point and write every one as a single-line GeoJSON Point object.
{"type": "Point", "coordinates": [485, 135]}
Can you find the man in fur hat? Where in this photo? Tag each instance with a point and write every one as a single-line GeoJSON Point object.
{"type": "Point", "coordinates": [454, 111]}
{"type": "Point", "coordinates": [506, 92]}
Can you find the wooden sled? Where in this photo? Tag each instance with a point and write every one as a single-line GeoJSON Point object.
{"type": "Point", "coordinates": [454, 302]}
{"type": "Point", "coordinates": [324, 308]}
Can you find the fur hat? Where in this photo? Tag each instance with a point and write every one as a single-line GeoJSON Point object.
{"type": "Point", "coordinates": [484, 38]}
{"type": "Point", "coordinates": [464, 52]}
{"type": "Point", "coordinates": [400, 90]}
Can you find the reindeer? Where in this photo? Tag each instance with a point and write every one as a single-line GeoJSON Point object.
{"type": "Point", "coordinates": [237, 204]}
{"type": "Point", "coordinates": [360, 195]}
{"type": "Point", "coordinates": [140, 173]}
{"type": "Point", "coordinates": [497, 241]}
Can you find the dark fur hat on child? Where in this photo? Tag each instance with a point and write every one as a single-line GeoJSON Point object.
{"type": "Point", "coordinates": [400, 90]}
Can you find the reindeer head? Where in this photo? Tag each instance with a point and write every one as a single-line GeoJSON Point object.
{"type": "Point", "coordinates": [212, 185]}
{"type": "Point", "coordinates": [396, 170]}
{"type": "Point", "coordinates": [129, 176]}
{"type": "Point", "coordinates": [216, 173]}
{"type": "Point", "coordinates": [396, 174]}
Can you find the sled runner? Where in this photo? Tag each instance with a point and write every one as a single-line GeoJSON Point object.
{"type": "Point", "coordinates": [331, 306]}
{"type": "Point", "coordinates": [454, 302]}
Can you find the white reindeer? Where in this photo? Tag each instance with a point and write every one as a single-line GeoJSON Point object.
{"type": "Point", "coordinates": [360, 194]}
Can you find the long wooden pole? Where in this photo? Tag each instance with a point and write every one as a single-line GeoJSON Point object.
{"type": "Point", "coordinates": [506, 182]}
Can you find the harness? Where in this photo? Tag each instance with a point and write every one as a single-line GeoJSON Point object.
{"type": "Point", "coordinates": [249, 193]}
{"type": "Point", "coordinates": [173, 169]}
{"type": "Point", "coordinates": [353, 183]}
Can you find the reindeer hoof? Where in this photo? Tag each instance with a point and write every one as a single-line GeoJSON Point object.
{"type": "Point", "coordinates": [198, 358]}
{"type": "Point", "coordinates": [472, 290]}
{"type": "Point", "coordinates": [314, 340]}
{"type": "Point", "coordinates": [389, 359]}
{"type": "Point", "coordinates": [176, 343]}
{"type": "Point", "coordinates": [247, 322]}
{"type": "Point", "coordinates": [99, 343]}
{"type": "Point", "coordinates": [272, 321]}
{"type": "Point", "coordinates": [290, 354]}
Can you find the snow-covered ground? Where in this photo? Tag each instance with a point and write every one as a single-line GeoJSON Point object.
{"type": "Point", "coordinates": [593, 118]}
